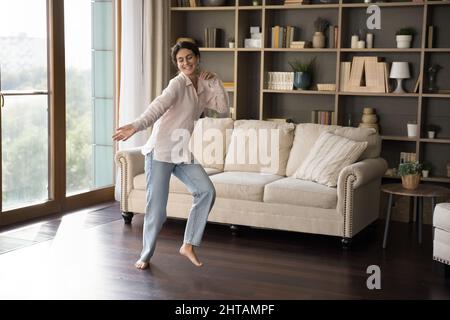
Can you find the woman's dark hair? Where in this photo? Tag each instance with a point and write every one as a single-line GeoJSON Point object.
{"type": "Point", "coordinates": [184, 45]}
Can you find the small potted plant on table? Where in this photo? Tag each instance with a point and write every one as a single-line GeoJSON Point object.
{"type": "Point", "coordinates": [410, 173]}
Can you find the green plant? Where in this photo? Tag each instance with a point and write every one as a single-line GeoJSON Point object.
{"type": "Point", "coordinates": [231, 39]}
{"type": "Point", "coordinates": [406, 32]}
{"type": "Point", "coordinates": [433, 127]}
{"type": "Point", "coordinates": [426, 166]}
{"type": "Point", "coordinates": [408, 168]}
{"type": "Point", "coordinates": [321, 24]}
{"type": "Point", "coordinates": [301, 66]}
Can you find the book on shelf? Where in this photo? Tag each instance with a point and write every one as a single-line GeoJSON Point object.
{"type": "Point", "coordinates": [282, 37]}
{"type": "Point", "coordinates": [323, 117]}
{"type": "Point", "coordinates": [188, 3]}
{"type": "Point", "coordinates": [430, 36]}
{"type": "Point", "coordinates": [332, 36]}
{"type": "Point", "coordinates": [416, 87]}
{"type": "Point", "coordinates": [212, 37]}
{"type": "Point", "coordinates": [230, 85]}
{"type": "Point", "coordinates": [408, 157]}
{"type": "Point", "coordinates": [295, 2]}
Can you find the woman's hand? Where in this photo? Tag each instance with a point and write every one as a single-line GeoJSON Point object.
{"type": "Point", "coordinates": [123, 133]}
{"type": "Point", "coordinates": [206, 75]}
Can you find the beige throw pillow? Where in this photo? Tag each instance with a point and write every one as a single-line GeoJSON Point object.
{"type": "Point", "coordinates": [329, 155]}
{"type": "Point", "coordinates": [209, 141]}
{"type": "Point", "coordinates": [259, 146]}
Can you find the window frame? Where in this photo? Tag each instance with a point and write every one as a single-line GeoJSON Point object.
{"type": "Point", "coordinates": [58, 201]}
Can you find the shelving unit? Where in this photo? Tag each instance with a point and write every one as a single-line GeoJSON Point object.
{"type": "Point", "coordinates": [246, 67]}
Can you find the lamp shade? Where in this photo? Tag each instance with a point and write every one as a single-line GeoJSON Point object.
{"type": "Point", "coordinates": [400, 70]}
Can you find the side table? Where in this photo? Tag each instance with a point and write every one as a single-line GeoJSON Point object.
{"type": "Point", "coordinates": [423, 191]}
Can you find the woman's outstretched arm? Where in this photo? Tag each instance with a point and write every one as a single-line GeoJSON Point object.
{"type": "Point", "coordinates": [153, 112]}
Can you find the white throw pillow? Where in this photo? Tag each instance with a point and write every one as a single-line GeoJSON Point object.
{"type": "Point", "coordinates": [329, 155]}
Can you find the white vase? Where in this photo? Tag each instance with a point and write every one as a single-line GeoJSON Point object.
{"type": "Point", "coordinates": [425, 173]}
{"type": "Point", "coordinates": [431, 134]}
{"type": "Point", "coordinates": [403, 42]}
{"type": "Point", "coordinates": [231, 44]}
{"type": "Point", "coordinates": [412, 130]}
{"type": "Point", "coordinates": [318, 40]}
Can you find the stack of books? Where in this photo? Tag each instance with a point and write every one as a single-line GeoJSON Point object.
{"type": "Point", "coordinates": [294, 2]}
{"type": "Point", "coordinates": [282, 37]}
{"type": "Point", "coordinates": [280, 80]}
{"type": "Point", "coordinates": [229, 86]}
{"type": "Point", "coordinates": [408, 157]}
{"type": "Point", "coordinates": [323, 117]}
{"type": "Point", "coordinates": [212, 37]}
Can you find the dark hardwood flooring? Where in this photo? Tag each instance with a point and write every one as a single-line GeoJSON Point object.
{"type": "Point", "coordinates": [89, 254]}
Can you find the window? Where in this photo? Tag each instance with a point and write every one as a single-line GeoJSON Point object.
{"type": "Point", "coordinates": [89, 45]}
{"type": "Point", "coordinates": [24, 119]}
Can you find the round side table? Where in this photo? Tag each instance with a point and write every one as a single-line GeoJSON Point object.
{"type": "Point", "coordinates": [423, 191]}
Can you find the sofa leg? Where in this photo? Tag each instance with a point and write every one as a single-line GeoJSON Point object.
{"type": "Point", "coordinates": [346, 243]}
{"type": "Point", "coordinates": [234, 230]}
{"type": "Point", "coordinates": [127, 217]}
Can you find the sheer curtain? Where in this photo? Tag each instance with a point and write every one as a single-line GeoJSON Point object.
{"type": "Point", "coordinates": [144, 64]}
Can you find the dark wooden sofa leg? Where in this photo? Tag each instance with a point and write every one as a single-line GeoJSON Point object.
{"type": "Point", "coordinates": [441, 269]}
{"type": "Point", "coordinates": [234, 230]}
{"type": "Point", "coordinates": [346, 243]}
{"type": "Point", "coordinates": [127, 217]}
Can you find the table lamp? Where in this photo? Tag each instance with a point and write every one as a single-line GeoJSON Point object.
{"type": "Point", "coordinates": [399, 71]}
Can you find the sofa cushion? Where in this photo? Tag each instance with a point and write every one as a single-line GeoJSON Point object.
{"type": "Point", "coordinates": [209, 141]}
{"type": "Point", "coordinates": [370, 135]}
{"type": "Point", "coordinates": [305, 136]}
{"type": "Point", "coordinates": [441, 216]}
{"type": "Point", "coordinates": [242, 185]}
{"type": "Point", "coordinates": [329, 155]}
{"type": "Point", "coordinates": [176, 185]}
{"type": "Point", "coordinates": [301, 193]}
{"type": "Point", "coordinates": [260, 146]}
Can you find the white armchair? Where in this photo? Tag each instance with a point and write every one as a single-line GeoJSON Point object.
{"type": "Point", "coordinates": [441, 235]}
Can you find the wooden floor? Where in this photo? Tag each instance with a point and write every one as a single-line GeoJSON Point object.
{"type": "Point", "coordinates": [90, 255]}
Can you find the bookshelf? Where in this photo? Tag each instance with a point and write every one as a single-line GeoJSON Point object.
{"type": "Point", "coordinates": [247, 67]}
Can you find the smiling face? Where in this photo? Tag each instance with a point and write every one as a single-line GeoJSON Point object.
{"type": "Point", "coordinates": [187, 61]}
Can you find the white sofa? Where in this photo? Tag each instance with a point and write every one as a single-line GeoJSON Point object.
{"type": "Point", "coordinates": [250, 194]}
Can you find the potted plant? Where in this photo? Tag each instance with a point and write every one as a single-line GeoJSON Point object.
{"type": "Point", "coordinates": [302, 73]}
{"type": "Point", "coordinates": [404, 37]}
{"type": "Point", "coordinates": [321, 26]}
{"type": "Point", "coordinates": [231, 43]}
{"type": "Point", "coordinates": [432, 130]}
{"type": "Point", "coordinates": [426, 168]}
{"type": "Point", "coordinates": [410, 173]}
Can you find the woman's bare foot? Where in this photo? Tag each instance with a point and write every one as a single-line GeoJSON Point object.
{"type": "Point", "coordinates": [141, 265]}
{"type": "Point", "coordinates": [187, 250]}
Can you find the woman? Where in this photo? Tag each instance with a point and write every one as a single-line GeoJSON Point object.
{"type": "Point", "coordinates": [175, 110]}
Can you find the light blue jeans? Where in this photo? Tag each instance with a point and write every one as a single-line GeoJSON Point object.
{"type": "Point", "coordinates": [158, 178]}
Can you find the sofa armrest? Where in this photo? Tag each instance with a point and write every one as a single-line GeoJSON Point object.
{"type": "Point", "coordinates": [363, 172]}
{"type": "Point", "coordinates": [131, 163]}
{"type": "Point", "coordinates": [359, 194]}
